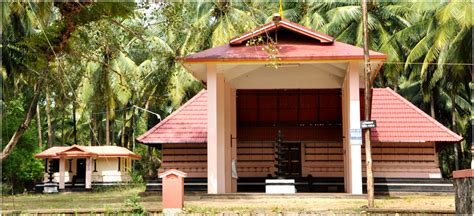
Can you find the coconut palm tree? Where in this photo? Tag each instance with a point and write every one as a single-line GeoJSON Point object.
{"type": "Point", "coordinates": [215, 23]}
{"type": "Point", "coordinates": [343, 20]}
{"type": "Point", "coordinates": [45, 45]}
{"type": "Point", "coordinates": [430, 40]}
{"type": "Point", "coordinates": [438, 59]}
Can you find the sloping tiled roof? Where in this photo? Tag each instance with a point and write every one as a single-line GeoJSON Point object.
{"type": "Point", "coordinates": [398, 120]}
{"type": "Point", "coordinates": [188, 124]}
{"type": "Point", "coordinates": [295, 43]}
{"type": "Point", "coordinates": [87, 151]}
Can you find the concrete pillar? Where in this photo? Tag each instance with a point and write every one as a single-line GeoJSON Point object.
{"type": "Point", "coordinates": [233, 125]}
{"type": "Point", "coordinates": [62, 165]}
{"type": "Point", "coordinates": [216, 140]}
{"type": "Point", "coordinates": [352, 131]}
{"type": "Point", "coordinates": [472, 160]}
{"type": "Point", "coordinates": [88, 173]}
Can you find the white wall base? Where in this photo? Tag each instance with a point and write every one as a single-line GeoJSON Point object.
{"type": "Point", "coordinates": [172, 211]}
{"type": "Point", "coordinates": [50, 187]}
{"type": "Point", "coordinates": [280, 186]}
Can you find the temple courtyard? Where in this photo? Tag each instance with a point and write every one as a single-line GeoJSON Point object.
{"type": "Point", "coordinates": [112, 201]}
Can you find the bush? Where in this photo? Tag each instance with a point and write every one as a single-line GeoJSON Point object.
{"type": "Point", "coordinates": [133, 204]}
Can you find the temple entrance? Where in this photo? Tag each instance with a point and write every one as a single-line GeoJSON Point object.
{"type": "Point", "coordinates": [81, 171]}
{"type": "Point", "coordinates": [310, 122]}
{"type": "Point", "coordinates": [292, 159]}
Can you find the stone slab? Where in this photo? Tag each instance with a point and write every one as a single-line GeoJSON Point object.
{"type": "Point", "coordinates": [50, 187]}
{"type": "Point", "coordinates": [280, 186]}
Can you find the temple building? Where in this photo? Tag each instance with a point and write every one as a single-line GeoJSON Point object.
{"type": "Point", "coordinates": [283, 77]}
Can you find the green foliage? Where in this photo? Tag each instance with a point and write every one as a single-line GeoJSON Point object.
{"type": "Point", "coordinates": [21, 170]}
{"type": "Point", "coordinates": [134, 205]}
{"type": "Point", "coordinates": [190, 209]}
{"type": "Point", "coordinates": [148, 166]}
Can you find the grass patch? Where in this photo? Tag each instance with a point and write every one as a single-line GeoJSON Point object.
{"type": "Point", "coordinates": [111, 198]}
{"type": "Point", "coordinates": [114, 200]}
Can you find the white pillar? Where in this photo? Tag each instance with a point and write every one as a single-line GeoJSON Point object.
{"type": "Point", "coordinates": [472, 162]}
{"type": "Point", "coordinates": [216, 175]}
{"type": "Point", "coordinates": [352, 131]}
{"type": "Point", "coordinates": [88, 173]}
{"type": "Point", "coordinates": [62, 165]}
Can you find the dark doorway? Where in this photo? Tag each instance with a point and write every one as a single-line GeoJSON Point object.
{"type": "Point", "coordinates": [292, 159]}
{"type": "Point", "coordinates": [81, 171]}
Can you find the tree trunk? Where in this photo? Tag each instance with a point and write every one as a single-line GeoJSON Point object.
{"type": "Point", "coordinates": [112, 132]}
{"type": "Point", "coordinates": [432, 105]}
{"type": "Point", "coordinates": [150, 161]}
{"type": "Point", "coordinates": [99, 134]}
{"type": "Point", "coordinates": [38, 122]}
{"type": "Point", "coordinates": [74, 121]}
{"type": "Point", "coordinates": [453, 123]}
{"type": "Point", "coordinates": [122, 137]}
{"type": "Point", "coordinates": [107, 94]}
{"type": "Point", "coordinates": [49, 120]}
{"type": "Point", "coordinates": [24, 126]}
{"type": "Point", "coordinates": [91, 132]}
{"type": "Point", "coordinates": [107, 125]}
{"type": "Point", "coordinates": [368, 152]}
{"type": "Point", "coordinates": [63, 136]}
{"type": "Point", "coordinates": [383, 81]}
{"type": "Point", "coordinates": [132, 126]}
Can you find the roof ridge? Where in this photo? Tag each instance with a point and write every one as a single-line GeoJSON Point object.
{"type": "Point", "coordinates": [154, 128]}
{"type": "Point", "coordinates": [419, 111]}
{"type": "Point", "coordinates": [327, 38]}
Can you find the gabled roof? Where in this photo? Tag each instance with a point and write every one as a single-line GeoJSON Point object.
{"type": "Point", "coordinates": [286, 24]}
{"type": "Point", "coordinates": [398, 120]}
{"type": "Point", "coordinates": [295, 43]}
{"type": "Point", "coordinates": [188, 124]}
{"type": "Point", "coordinates": [75, 151]}
{"type": "Point", "coordinates": [87, 151]}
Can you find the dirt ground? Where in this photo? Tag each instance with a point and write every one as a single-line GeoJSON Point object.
{"type": "Point", "coordinates": [320, 204]}
{"type": "Point", "coordinates": [203, 204]}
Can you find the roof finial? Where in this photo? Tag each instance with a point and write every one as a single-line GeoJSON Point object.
{"type": "Point", "coordinates": [276, 17]}
{"type": "Point", "coordinates": [281, 9]}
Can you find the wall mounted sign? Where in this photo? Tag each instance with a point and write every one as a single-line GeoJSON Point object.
{"type": "Point", "coordinates": [368, 124]}
{"type": "Point", "coordinates": [355, 136]}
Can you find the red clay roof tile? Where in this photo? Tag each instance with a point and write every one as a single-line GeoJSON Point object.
{"type": "Point", "coordinates": [87, 151]}
{"type": "Point", "coordinates": [188, 124]}
{"type": "Point", "coordinates": [397, 121]}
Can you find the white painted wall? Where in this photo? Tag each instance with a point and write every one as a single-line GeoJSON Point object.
{"type": "Point", "coordinates": [107, 170]}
